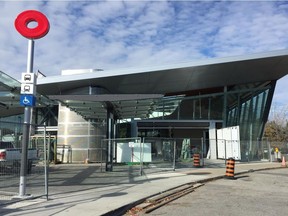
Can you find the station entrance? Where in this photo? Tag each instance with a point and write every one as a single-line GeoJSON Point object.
{"type": "Point", "coordinates": [195, 134]}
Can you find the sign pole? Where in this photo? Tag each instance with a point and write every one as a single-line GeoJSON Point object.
{"type": "Point", "coordinates": [26, 127]}
{"type": "Point", "coordinates": [28, 86]}
{"type": "Point", "coordinates": [30, 56]}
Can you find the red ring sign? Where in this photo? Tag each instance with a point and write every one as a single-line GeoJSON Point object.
{"type": "Point", "coordinates": [24, 18]}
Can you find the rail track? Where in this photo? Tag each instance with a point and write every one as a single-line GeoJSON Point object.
{"type": "Point", "coordinates": [157, 201]}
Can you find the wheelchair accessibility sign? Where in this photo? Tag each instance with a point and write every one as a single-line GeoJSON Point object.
{"type": "Point", "coordinates": [27, 100]}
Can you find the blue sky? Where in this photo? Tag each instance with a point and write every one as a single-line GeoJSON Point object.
{"type": "Point", "coordinates": [121, 34]}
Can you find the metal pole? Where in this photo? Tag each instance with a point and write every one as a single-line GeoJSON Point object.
{"type": "Point", "coordinates": [202, 152]}
{"type": "Point", "coordinates": [47, 144]}
{"type": "Point", "coordinates": [46, 160]}
{"type": "Point", "coordinates": [55, 151]}
{"type": "Point", "coordinates": [174, 155]}
{"type": "Point", "coordinates": [269, 149]}
{"type": "Point", "coordinates": [101, 153]}
{"type": "Point", "coordinates": [141, 154]}
{"type": "Point", "coordinates": [26, 127]}
{"type": "Point", "coordinates": [225, 152]}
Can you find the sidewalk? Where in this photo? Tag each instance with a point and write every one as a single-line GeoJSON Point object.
{"type": "Point", "coordinates": [104, 197]}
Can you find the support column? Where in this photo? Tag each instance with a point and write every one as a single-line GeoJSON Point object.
{"type": "Point", "coordinates": [212, 141]}
{"type": "Point", "coordinates": [109, 136]}
{"type": "Point", "coordinates": [225, 107]}
{"type": "Point", "coordinates": [133, 128]}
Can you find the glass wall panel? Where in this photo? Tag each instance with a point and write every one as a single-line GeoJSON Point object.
{"type": "Point", "coordinates": [216, 109]}
{"type": "Point", "coordinates": [251, 121]}
{"type": "Point", "coordinates": [204, 108]}
{"type": "Point", "coordinates": [190, 108]}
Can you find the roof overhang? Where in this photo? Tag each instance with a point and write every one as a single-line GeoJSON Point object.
{"type": "Point", "coordinates": [133, 91]}
{"type": "Point", "coordinates": [169, 79]}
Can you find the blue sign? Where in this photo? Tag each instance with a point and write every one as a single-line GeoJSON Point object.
{"type": "Point", "coordinates": [27, 100]}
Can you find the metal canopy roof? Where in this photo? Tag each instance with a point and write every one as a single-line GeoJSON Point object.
{"type": "Point", "coordinates": [10, 97]}
{"type": "Point", "coordinates": [172, 79]}
{"type": "Point", "coordinates": [137, 92]}
{"type": "Point", "coordinates": [140, 91]}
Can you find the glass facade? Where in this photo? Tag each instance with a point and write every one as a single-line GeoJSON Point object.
{"type": "Point", "coordinates": [244, 105]}
{"type": "Point", "coordinates": [206, 107]}
{"type": "Point", "coordinates": [251, 113]}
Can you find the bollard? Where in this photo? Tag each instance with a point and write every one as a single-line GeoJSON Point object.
{"type": "Point", "coordinates": [230, 168]}
{"type": "Point", "coordinates": [196, 162]}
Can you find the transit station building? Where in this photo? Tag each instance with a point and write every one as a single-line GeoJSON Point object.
{"type": "Point", "coordinates": [192, 100]}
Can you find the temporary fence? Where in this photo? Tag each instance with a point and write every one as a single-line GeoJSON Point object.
{"type": "Point", "coordinates": [68, 154]}
{"type": "Point", "coordinates": [116, 153]}
{"type": "Point", "coordinates": [135, 155]}
{"type": "Point", "coordinates": [277, 150]}
{"type": "Point", "coordinates": [159, 154]}
{"type": "Point", "coordinates": [151, 154]}
{"type": "Point", "coordinates": [171, 153]}
{"type": "Point", "coordinates": [11, 135]}
{"type": "Point", "coordinates": [79, 150]}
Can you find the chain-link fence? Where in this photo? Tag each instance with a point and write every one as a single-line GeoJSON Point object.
{"type": "Point", "coordinates": [170, 153]}
{"type": "Point", "coordinates": [153, 154]}
{"type": "Point", "coordinates": [116, 153]}
{"type": "Point", "coordinates": [160, 154]}
{"type": "Point", "coordinates": [135, 155]}
{"type": "Point", "coordinates": [278, 150]}
{"type": "Point", "coordinates": [11, 135]}
{"type": "Point", "coordinates": [80, 150]}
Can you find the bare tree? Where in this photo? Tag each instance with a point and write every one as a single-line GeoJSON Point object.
{"type": "Point", "coordinates": [276, 129]}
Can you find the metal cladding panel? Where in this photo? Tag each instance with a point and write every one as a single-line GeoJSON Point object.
{"type": "Point", "coordinates": [80, 141]}
{"type": "Point", "coordinates": [78, 133]}
{"type": "Point", "coordinates": [204, 74]}
{"type": "Point", "coordinates": [159, 124]}
{"type": "Point", "coordinates": [72, 129]}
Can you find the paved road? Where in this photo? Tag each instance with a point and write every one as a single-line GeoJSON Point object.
{"type": "Point", "coordinates": [78, 189]}
{"type": "Point", "coordinates": [258, 193]}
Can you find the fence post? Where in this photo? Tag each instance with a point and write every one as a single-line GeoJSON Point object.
{"type": "Point", "coordinates": [269, 150]}
{"type": "Point", "coordinates": [109, 159]}
{"type": "Point", "coordinates": [101, 155]}
{"type": "Point", "coordinates": [225, 152]}
{"type": "Point", "coordinates": [202, 151]}
{"type": "Point", "coordinates": [55, 151]}
{"type": "Point", "coordinates": [174, 155]}
{"type": "Point", "coordinates": [46, 162]}
{"type": "Point", "coordinates": [141, 155]}
{"type": "Point", "coordinates": [49, 144]}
